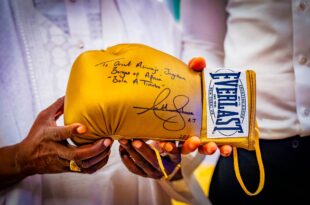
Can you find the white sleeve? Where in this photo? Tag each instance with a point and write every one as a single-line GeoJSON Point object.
{"type": "Point", "coordinates": [204, 28]}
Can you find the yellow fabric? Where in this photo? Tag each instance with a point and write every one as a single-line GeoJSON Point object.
{"type": "Point", "coordinates": [175, 202]}
{"type": "Point", "coordinates": [203, 174]}
{"type": "Point", "coordinates": [135, 91]}
{"type": "Point", "coordinates": [203, 135]}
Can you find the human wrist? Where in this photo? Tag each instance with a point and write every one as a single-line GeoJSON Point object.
{"type": "Point", "coordinates": [10, 170]}
{"type": "Point", "coordinates": [23, 166]}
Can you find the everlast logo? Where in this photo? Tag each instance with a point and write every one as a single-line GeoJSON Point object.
{"type": "Point", "coordinates": [227, 104]}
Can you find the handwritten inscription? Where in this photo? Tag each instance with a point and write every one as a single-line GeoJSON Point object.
{"type": "Point", "coordinates": [173, 75]}
{"type": "Point", "coordinates": [173, 114]}
{"type": "Point", "coordinates": [106, 63]}
{"type": "Point", "coordinates": [145, 75]}
{"type": "Point", "coordinates": [150, 68]}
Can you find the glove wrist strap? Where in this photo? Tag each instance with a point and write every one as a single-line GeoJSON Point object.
{"type": "Point", "coordinates": [260, 166]}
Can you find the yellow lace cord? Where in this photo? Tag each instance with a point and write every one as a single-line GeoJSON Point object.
{"type": "Point", "coordinates": [161, 165]}
{"type": "Point", "coordinates": [260, 166]}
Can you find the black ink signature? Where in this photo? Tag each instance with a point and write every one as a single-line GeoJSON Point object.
{"type": "Point", "coordinates": [176, 118]}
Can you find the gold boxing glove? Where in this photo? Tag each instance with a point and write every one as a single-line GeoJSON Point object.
{"type": "Point", "coordinates": [134, 91]}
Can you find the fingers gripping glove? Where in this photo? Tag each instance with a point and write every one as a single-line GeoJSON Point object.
{"type": "Point", "coordinates": [134, 91]}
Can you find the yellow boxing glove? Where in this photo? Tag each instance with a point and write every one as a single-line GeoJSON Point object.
{"type": "Point", "coordinates": [134, 91]}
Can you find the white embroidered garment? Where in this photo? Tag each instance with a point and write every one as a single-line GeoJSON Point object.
{"type": "Point", "coordinates": [39, 41]}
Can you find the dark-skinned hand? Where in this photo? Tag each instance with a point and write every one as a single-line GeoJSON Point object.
{"type": "Point", "coordinates": [140, 159]}
{"type": "Point", "coordinates": [45, 149]}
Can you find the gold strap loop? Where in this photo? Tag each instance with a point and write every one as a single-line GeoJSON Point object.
{"type": "Point", "coordinates": [162, 168]}
{"type": "Point", "coordinates": [260, 166]}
